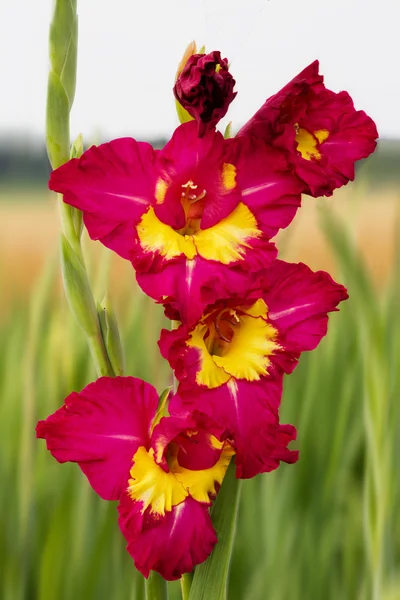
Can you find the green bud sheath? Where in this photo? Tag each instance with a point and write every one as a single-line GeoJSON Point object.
{"type": "Point", "coordinates": [111, 337]}
{"type": "Point", "coordinates": [63, 45]}
{"type": "Point", "coordinates": [57, 122]}
{"type": "Point", "coordinates": [62, 79]}
{"type": "Point", "coordinates": [228, 131]}
{"type": "Point", "coordinates": [77, 290]}
{"type": "Point", "coordinates": [76, 214]}
{"type": "Point", "coordinates": [182, 113]}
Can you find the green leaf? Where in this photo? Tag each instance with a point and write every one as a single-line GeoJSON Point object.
{"type": "Point", "coordinates": [210, 577]}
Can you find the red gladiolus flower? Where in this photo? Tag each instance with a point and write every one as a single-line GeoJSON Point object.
{"type": "Point", "coordinates": [231, 362]}
{"type": "Point", "coordinates": [164, 473]}
{"type": "Point", "coordinates": [194, 218]}
{"type": "Point", "coordinates": [205, 89]}
{"type": "Point", "coordinates": [320, 131]}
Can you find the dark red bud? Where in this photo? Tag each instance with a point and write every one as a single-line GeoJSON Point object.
{"type": "Point", "coordinates": [205, 89]}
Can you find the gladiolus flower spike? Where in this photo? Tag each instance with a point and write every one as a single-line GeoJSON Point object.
{"type": "Point", "coordinates": [196, 220]}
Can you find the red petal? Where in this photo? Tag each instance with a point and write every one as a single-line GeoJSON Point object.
{"type": "Point", "coordinates": [268, 187]}
{"type": "Point", "coordinates": [171, 545]}
{"type": "Point", "coordinates": [249, 411]}
{"type": "Point", "coordinates": [186, 287]}
{"type": "Point", "coordinates": [262, 124]}
{"type": "Point", "coordinates": [298, 300]}
{"type": "Point", "coordinates": [112, 184]}
{"type": "Point", "coordinates": [196, 452]}
{"type": "Point", "coordinates": [101, 428]}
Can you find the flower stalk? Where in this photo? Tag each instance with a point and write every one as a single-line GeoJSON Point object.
{"type": "Point", "coordinates": [156, 587]}
{"type": "Point", "coordinates": [186, 584]}
{"type": "Point", "coordinates": [63, 44]}
{"type": "Point", "coordinates": [184, 218]}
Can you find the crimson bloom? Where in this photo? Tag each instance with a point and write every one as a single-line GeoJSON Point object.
{"type": "Point", "coordinates": [319, 130]}
{"type": "Point", "coordinates": [204, 88]}
{"type": "Point", "coordinates": [165, 472]}
{"type": "Point", "coordinates": [231, 362]}
{"type": "Point", "coordinates": [195, 219]}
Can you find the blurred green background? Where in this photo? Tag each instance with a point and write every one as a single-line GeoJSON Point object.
{"type": "Point", "coordinates": [326, 528]}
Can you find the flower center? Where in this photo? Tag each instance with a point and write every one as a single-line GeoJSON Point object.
{"type": "Point", "coordinates": [308, 143]}
{"type": "Point", "coordinates": [159, 490]}
{"type": "Point", "coordinates": [221, 331]}
{"type": "Point", "coordinates": [234, 343]}
{"type": "Point", "coordinates": [192, 200]}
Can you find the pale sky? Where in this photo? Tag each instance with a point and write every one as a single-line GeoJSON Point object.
{"type": "Point", "coordinates": [129, 51]}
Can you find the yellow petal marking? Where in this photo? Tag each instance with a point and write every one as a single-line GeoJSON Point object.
{"type": "Point", "coordinates": [156, 236]}
{"type": "Point", "coordinates": [161, 490]}
{"type": "Point", "coordinates": [307, 142]}
{"type": "Point", "coordinates": [209, 374]}
{"type": "Point", "coordinates": [249, 350]}
{"type": "Point", "coordinates": [247, 354]}
{"type": "Point", "coordinates": [321, 135]}
{"type": "Point", "coordinates": [161, 190]}
{"type": "Point", "coordinates": [151, 485]}
{"type": "Point", "coordinates": [225, 242]}
{"type": "Point", "coordinates": [228, 176]}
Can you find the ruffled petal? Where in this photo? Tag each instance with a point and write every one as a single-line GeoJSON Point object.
{"type": "Point", "coordinates": [112, 184]}
{"type": "Point", "coordinates": [298, 300]}
{"type": "Point", "coordinates": [249, 411]}
{"type": "Point", "coordinates": [171, 545]}
{"type": "Point", "coordinates": [269, 188]}
{"type": "Point", "coordinates": [184, 361]}
{"type": "Point", "coordinates": [263, 124]}
{"type": "Point", "coordinates": [101, 428]}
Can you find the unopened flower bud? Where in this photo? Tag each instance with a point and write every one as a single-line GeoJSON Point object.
{"type": "Point", "coordinates": [205, 89]}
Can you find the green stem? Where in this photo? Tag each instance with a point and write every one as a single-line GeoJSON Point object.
{"type": "Point", "coordinates": [63, 45]}
{"type": "Point", "coordinates": [67, 224]}
{"type": "Point", "coordinates": [100, 356]}
{"type": "Point", "coordinates": [186, 584]}
{"type": "Point", "coordinates": [156, 587]}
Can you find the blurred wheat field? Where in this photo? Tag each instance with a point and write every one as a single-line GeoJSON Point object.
{"type": "Point", "coordinates": [326, 528]}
